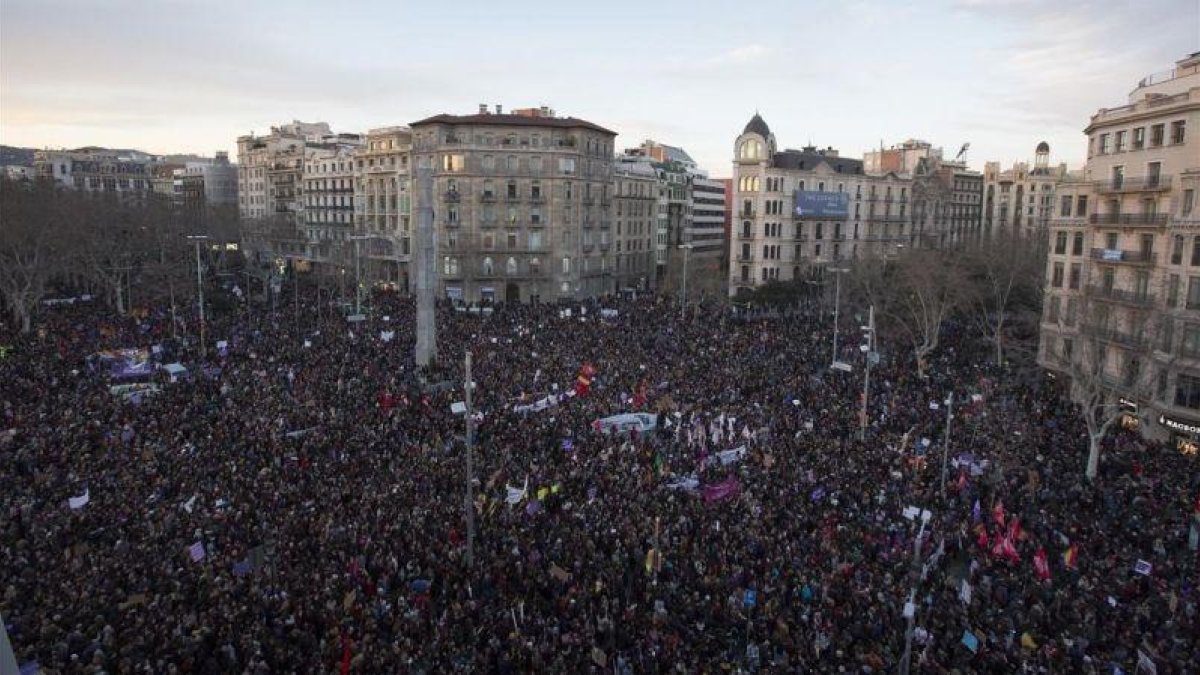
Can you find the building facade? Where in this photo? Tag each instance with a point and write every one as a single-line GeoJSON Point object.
{"type": "Point", "coordinates": [635, 216]}
{"type": "Point", "coordinates": [796, 212]}
{"type": "Point", "coordinates": [1123, 269]}
{"type": "Point", "coordinates": [327, 200]}
{"type": "Point", "coordinates": [383, 204]}
{"type": "Point", "coordinates": [522, 205]}
{"type": "Point", "coordinates": [1020, 199]}
{"type": "Point", "coordinates": [120, 172]}
{"type": "Point", "coordinates": [946, 196]}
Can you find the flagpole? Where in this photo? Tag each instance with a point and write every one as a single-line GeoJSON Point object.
{"type": "Point", "coordinates": [946, 441]}
{"type": "Point", "coordinates": [468, 499]}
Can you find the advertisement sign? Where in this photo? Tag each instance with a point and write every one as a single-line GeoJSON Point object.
{"type": "Point", "coordinates": [814, 204]}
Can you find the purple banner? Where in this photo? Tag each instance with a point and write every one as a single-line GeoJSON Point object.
{"type": "Point", "coordinates": [730, 487]}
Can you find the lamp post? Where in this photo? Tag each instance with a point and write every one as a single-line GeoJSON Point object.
{"type": "Point", "coordinates": [837, 299]}
{"type": "Point", "coordinates": [196, 239]}
{"type": "Point", "coordinates": [910, 609]}
{"type": "Point", "coordinates": [869, 348]}
{"type": "Point", "coordinates": [946, 440]}
{"type": "Point", "coordinates": [469, 496]}
{"type": "Point", "coordinates": [683, 308]}
{"type": "Point", "coordinates": [358, 272]}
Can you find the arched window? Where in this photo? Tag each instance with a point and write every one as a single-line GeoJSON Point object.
{"type": "Point", "coordinates": [487, 267]}
{"type": "Point", "coordinates": [754, 184]}
{"type": "Point", "coordinates": [751, 149]}
{"type": "Point", "coordinates": [535, 266]}
{"type": "Point", "coordinates": [510, 267]}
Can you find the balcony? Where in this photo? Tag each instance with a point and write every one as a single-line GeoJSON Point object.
{"type": "Point", "coordinates": [512, 198]}
{"type": "Point", "coordinates": [1133, 298]}
{"type": "Point", "coordinates": [1119, 256]}
{"type": "Point", "coordinates": [1138, 184]}
{"type": "Point", "coordinates": [487, 197]}
{"type": "Point", "coordinates": [537, 199]}
{"type": "Point", "coordinates": [746, 213]}
{"type": "Point", "coordinates": [1116, 337]}
{"type": "Point", "coordinates": [1136, 219]}
{"type": "Point", "coordinates": [453, 196]}
{"type": "Point", "coordinates": [589, 201]}
{"type": "Point", "coordinates": [745, 258]}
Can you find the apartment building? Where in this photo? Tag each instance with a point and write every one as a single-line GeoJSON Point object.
{"type": "Point", "coordinates": [1123, 270]}
{"type": "Point", "coordinates": [94, 169]}
{"type": "Point", "coordinates": [382, 204]}
{"type": "Point", "coordinates": [706, 237]}
{"type": "Point", "coordinates": [635, 217]}
{"type": "Point", "coordinates": [522, 204]}
{"type": "Point", "coordinates": [327, 200]}
{"type": "Point", "coordinates": [798, 211]}
{"type": "Point", "coordinates": [202, 182]}
{"type": "Point", "coordinates": [947, 197]}
{"type": "Point", "coordinates": [1020, 199]}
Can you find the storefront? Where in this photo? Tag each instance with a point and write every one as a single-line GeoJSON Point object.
{"type": "Point", "coordinates": [1185, 434]}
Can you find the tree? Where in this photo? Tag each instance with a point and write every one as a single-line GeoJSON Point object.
{"type": "Point", "coordinates": [31, 246]}
{"type": "Point", "coordinates": [913, 295]}
{"type": "Point", "coordinates": [1107, 356]}
{"type": "Point", "coordinates": [1005, 275]}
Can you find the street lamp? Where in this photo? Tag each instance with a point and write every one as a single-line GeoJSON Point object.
{"type": "Point", "coordinates": [686, 249]}
{"type": "Point", "coordinates": [196, 239]}
{"type": "Point", "coordinates": [868, 348]}
{"type": "Point", "coordinates": [837, 299]}
{"type": "Point", "coordinates": [358, 272]}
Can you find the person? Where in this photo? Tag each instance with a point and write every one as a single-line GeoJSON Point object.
{"type": "Point", "coordinates": [332, 526]}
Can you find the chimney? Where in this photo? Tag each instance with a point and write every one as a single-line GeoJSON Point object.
{"type": "Point", "coordinates": [482, 108]}
{"type": "Point", "coordinates": [499, 109]}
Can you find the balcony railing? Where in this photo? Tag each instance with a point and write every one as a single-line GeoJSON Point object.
{"type": "Point", "coordinates": [1151, 219]}
{"type": "Point", "coordinates": [453, 196]}
{"type": "Point", "coordinates": [537, 199]}
{"type": "Point", "coordinates": [746, 213]}
{"type": "Point", "coordinates": [1134, 184]}
{"type": "Point", "coordinates": [745, 258]}
{"type": "Point", "coordinates": [1117, 255]}
{"type": "Point", "coordinates": [1138, 299]}
{"type": "Point", "coordinates": [487, 197]}
{"type": "Point", "coordinates": [1115, 337]}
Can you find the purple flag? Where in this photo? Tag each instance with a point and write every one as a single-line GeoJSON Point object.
{"type": "Point", "coordinates": [196, 551]}
{"type": "Point", "coordinates": [817, 494]}
{"type": "Point", "coordinates": [975, 513]}
{"type": "Point", "coordinates": [730, 487]}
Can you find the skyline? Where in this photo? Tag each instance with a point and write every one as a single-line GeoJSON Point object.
{"type": "Point", "coordinates": [179, 77]}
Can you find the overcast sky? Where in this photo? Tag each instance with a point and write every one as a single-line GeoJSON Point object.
{"type": "Point", "coordinates": [183, 76]}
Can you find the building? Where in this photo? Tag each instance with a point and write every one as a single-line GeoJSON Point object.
{"type": "Point", "coordinates": [207, 181]}
{"type": "Point", "coordinates": [327, 199]}
{"type": "Point", "coordinates": [94, 169]}
{"type": "Point", "coordinates": [522, 205]}
{"type": "Point", "coordinates": [947, 197]}
{"type": "Point", "coordinates": [798, 211]}
{"type": "Point", "coordinates": [706, 237]}
{"type": "Point", "coordinates": [18, 172]}
{"type": "Point", "coordinates": [635, 216]}
{"type": "Point", "coordinates": [1020, 199]}
{"type": "Point", "coordinates": [1123, 268]}
{"type": "Point", "coordinates": [383, 204]}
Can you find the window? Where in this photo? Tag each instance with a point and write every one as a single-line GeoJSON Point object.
{"type": "Point", "coordinates": [1072, 311]}
{"type": "Point", "coordinates": [510, 266]}
{"type": "Point", "coordinates": [751, 149]}
{"type": "Point", "coordinates": [511, 239]}
{"type": "Point", "coordinates": [1193, 296]}
{"type": "Point", "coordinates": [566, 265]}
{"type": "Point", "coordinates": [1105, 146]}
{"type": "Point", "coordinates": [1167, 335]}
{"type": "Point", "coordinates": [1120, 141]}
{"type": "Point", "coordinates": [1156, 135]}
{"type": "Point", "coordinates": [1065, 211]}
{"type": "Point", "coordinates": [1081, 206]}
{"type": "Point", "coordinates": [1054, 308]}
{"type": "Point", "coordinates": [1195, 251]}
{"type": "Point", "coordinates": [1077, 244]}
{"type": "Point", "coordinates": [513, 163]}
{"type": "Point", "coordinates": [488, 267]}
{"type": "Point", "coordinates": [1056, 279]}
{"type": "Point", "coordinates": [1118, 177]}
{"type": "Point", "coordinates": [511, 190]}
{"type": "Point", "coordinates": [1060, 243]}
{"type": "Point", "coordinates": [1177, 132]}
{"type": "Point", "coordinates": [1189, 201]}
{"type": "Point", "coordinates": [1177, 250]}
{"type": "Point", "coordinates": [1139, 138]}
{"type": "Point", "coordinates": [1110, 241]}
{"type": "Point", "coordinates": [452, 163]}
{"type": "Point", "coordinates": [1173, 290]}
{"type": "Point", "coordinates": [1076, 275]}
{"type": "Point", "coordinates": [566, 165]}
{"type": "Point", "coordinates": [1187, 391]}
{"type": "Point", "coordinates": [1153, 174]}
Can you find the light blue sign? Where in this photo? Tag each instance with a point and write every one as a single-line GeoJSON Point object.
{"type": "Point", "coordinates": [815, 204]}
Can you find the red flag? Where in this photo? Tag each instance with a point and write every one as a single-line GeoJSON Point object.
{"type": "Point", "coordinates": [345, 654]}
{"type": "Point", "coordinates": [998, 512]}
{"type": "Point", "coordinates": [1040, 565]}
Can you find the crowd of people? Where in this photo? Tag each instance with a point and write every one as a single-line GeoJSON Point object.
{"type": "Point", "coordinates": [295, 502]}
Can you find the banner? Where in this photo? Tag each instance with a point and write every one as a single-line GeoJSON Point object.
{"type": "Point", "coordinates": [730, 456]}
{"type": "Point", "coordinates": [730, 487]}
{"type": "Point", "coordinates": [80, 501]}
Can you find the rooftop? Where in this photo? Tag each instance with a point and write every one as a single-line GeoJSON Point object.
{"type": "Point", "coordinates": [503, 120]}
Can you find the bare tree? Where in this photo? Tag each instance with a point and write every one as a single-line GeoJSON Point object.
{"type": "Point", "coordinates": [1106, 358]}
{"type": "Point", "coordinates": [913, 296]}
{"type": "Point", "coordinates": [30, 246]}
{"type": "Point", "coordinates": [1005, 275]}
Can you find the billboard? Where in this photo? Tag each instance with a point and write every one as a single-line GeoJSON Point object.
{"type": "Point", "coordinates": [814, 204]}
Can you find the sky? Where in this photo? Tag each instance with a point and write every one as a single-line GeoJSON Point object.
{"type": "Point", "coordinates": [171, 76]}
